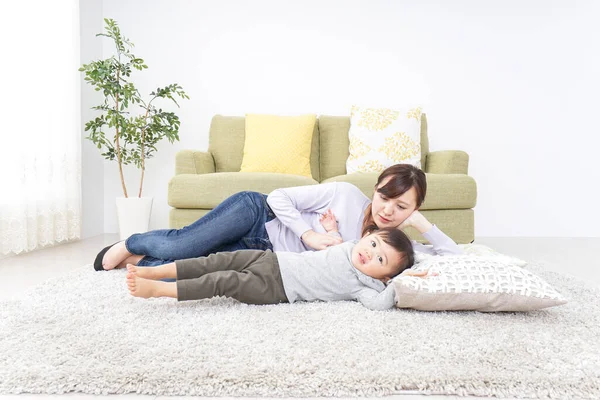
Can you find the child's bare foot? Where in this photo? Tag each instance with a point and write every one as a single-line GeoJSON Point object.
{"type": "Point", "coordinates": [146, 288]}
{"type": "Point", "coordinates": [143, 272]}
{"type": "Point", "coordinates": [115, 255]}
{"type": "Point", "coordinates": [140, 287]}
{"type": "Point", "coordinates": [154, 273]}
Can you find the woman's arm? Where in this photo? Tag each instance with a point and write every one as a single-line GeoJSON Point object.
{"type": "Point", "coordinates": [289, 203]}
{"type": "Point", "coordinates": [441, 244]}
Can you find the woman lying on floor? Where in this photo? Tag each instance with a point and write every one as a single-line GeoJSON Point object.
{"type": "Point", "coordinates": [288, 220]}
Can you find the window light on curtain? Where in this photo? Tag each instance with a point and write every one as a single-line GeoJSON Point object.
{"type": "Point", "coordinates": [40, 133]}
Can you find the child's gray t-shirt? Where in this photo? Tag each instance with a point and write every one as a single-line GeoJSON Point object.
{"type": "Point", "coordinates": [329, 275]}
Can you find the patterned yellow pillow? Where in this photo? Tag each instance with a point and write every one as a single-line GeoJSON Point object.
{"type": "Point", "coordinates": [277, 143]}
{"type": "Point", "coordinates": [380, 137]}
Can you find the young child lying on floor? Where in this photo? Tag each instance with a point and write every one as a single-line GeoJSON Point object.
{"type": "Point", "coordinates": [354, 270]}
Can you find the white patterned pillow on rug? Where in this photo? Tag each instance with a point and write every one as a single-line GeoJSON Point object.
{"type": "Point", "coordinates": [467, 282]}
{"type": "Point", "coordinates": [380, 137]}
{"type": "Point", "coordinates": [479, 250]}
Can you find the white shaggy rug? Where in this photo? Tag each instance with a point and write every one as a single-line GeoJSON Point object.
{"type": "Point", "coordinates": [82, 332]}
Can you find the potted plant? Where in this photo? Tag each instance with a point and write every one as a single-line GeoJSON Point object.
{"type": "Point", "coordinates": [128, 127]}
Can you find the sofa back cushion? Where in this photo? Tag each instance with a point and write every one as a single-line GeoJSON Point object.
{"type": "Point", "coordinates": [226, 144]}
{"type": "Point", "coordinates": [335, 144]}
{"type": "Point", "coordinates": [279, 144]}
{"type": "Point", "coordinates": [329, 148]}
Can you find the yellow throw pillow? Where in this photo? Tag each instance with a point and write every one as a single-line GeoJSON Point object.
{"type": "Point", "coordinates": [277, 143]}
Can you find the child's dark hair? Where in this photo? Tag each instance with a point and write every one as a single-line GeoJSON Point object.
{"type": "Point", "coordinates": [399, 242]}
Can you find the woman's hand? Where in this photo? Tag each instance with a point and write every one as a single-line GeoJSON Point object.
{"type": "Point", "coordinates": [319, 241]}
{"type": "Point", "coordinates": [417, 221]}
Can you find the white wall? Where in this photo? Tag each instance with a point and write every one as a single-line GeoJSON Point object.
{"type": "Point", "coordinates": [513, 83]}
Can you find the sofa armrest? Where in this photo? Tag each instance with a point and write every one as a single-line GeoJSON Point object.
{"type": "Point", "coordinates": [194, 162]}
{"type": "Point", "coordinates": [447, 162]}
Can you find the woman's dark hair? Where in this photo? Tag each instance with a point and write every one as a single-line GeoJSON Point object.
{"type": "Point", "coordinates": [403, 177]}
{"type": "Point", "coordinates": [399, 242]}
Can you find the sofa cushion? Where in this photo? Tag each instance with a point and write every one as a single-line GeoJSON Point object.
{"type": "Point", "coordinates": [444, 191]}
{"type": "Point", "coordinates": [226, 144]}
{"type": "Point", "coordinates": [381, 137]}
{"type": "Point", "coordinates": [208, 190]}
{"type": "Point", "coordinates": [280, 144]}
{"type": "Point", "coordinates": [334, 144]}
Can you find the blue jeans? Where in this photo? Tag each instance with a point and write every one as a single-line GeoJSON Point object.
{"type": "Point", "coordinates": [237, 223]}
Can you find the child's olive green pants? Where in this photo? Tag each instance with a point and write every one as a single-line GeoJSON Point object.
{"type": "Point", "coordinates": [250, 276]}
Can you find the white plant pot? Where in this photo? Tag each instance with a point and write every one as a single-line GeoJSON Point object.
{"type": "Point", "coordinates": [134, 215]}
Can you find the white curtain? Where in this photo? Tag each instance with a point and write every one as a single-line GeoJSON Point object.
{"type": "Point", "coordinates": [40, 128]}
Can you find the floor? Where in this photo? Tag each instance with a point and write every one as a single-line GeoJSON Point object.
{"type": "Point", "coordinates": [576, 256]}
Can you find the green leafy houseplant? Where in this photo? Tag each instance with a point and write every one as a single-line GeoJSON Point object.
{"type": "Point", "coordinates": [135, 135]}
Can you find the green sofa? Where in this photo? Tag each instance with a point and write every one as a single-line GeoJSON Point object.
{"type": "Point", "coordinates": [205, 178]}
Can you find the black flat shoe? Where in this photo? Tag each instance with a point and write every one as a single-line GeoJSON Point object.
{"type": "Point", "coordinates": [100, 257]}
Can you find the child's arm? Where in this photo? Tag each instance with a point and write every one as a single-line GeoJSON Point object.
{"type": "Point", "coordinates": [374, 300]}
{"type": "Point", "coordinates": [329, 223]}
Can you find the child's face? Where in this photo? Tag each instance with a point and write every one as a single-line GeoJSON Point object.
{"type": "Point", "coordinates": [374, 257]}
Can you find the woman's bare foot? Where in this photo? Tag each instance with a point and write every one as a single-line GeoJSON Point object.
{"type": "Point", "coordinates": [129, 260]}
{"type": "Point", "coordinates": [146, 288]}
{"type": "Point", "coordinates": [115, 255]}
{"type": "Point", "coordinates": [154, 273]}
